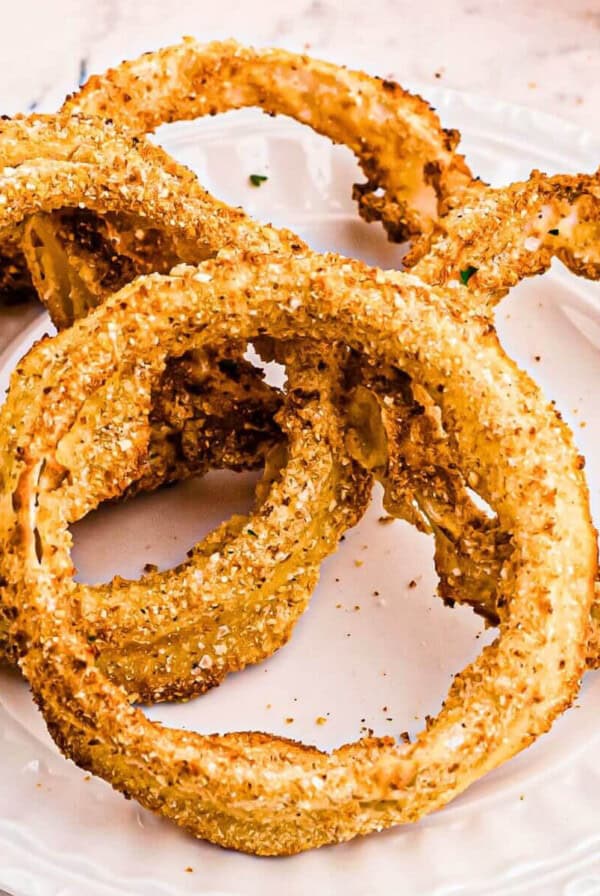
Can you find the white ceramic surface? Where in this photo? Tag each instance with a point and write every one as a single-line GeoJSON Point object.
{"type": "Point", "coordinates": [531, 827]}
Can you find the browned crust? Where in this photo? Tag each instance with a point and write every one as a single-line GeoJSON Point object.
{"type": "Point", "coordinates": [504, 235]}
{"type": "Point", "coordinates": [249, 791]}
{"type": "Point", "coordinates": [396, 136]}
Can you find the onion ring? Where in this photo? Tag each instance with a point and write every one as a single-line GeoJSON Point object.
{"type": "Point", "coordinates": [378, 120]}
{"type": "Point", "coordinates": [253, 792]}
{"type": "Point", "coordinates": [175, 634]}
{"type": "Point", "coordinates": [494, 238]}
{"type": "Point", "coordinates": [316, 450]}
{"type": "Point", "coordinates": [380, 123]}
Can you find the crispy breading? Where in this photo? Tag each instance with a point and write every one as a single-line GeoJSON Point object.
{"type": "Point", "coordinates": [489, 238]}
{"type": "Point", "coordinates": [251, 791]}
{"type": "Point", "coordinates": [408, 158]}
{"type": "Point", "coordinates": [494, 238]}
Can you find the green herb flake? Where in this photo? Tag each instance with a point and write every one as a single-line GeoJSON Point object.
{"type": "Point", "coordinates": [257, 179]}
{"type": "Point", "coordinates": [252, 533]}
{"type": "Point", "coordinates": [468, 272]}
{"type": "Point", "coordinates": [554, 231]}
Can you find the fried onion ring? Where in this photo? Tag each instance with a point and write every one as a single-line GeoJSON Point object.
{"type": "Point", "coordinates": [406, 155]}
{"type": "Point", "coordinates": [177, 633]}
{"type": "Point", "coordinates": [499, 237]}
{"type": "Point", "coordinates": [153, 661]}
{"type": "Point", "coordinates": [494, 238]}
{"type": "Point", "coordinates": [380, 123]}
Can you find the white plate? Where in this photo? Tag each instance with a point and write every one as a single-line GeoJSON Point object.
{"type": "Point", "coordinates": [531, 827]}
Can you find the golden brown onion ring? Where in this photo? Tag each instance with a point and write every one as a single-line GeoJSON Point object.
{"type": "Point", "coordinates": [408, 158]}
{"type": "Point", "coordinates": [494, 238]}
{"type": "Point", "coordinates": [288, 797]}
{"type": "Point", "coordinates": [377, 120]}
{"type": "Point", "coordinates": [316, 450]}
{"type": "Point", "coordinates": [175, 634]}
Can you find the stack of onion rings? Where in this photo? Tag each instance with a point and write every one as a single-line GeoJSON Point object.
{"type": "Point", "coordinates": [418, 391]}
{"type": "Point", "coordinates": [540, 218]}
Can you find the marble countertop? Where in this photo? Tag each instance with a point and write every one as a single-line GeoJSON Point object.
{"type": "Point", "coordinates": [546, 56]}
